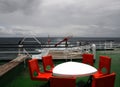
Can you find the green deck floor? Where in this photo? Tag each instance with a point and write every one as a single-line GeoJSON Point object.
{"type": "Point", "coordinates": [23, 79]}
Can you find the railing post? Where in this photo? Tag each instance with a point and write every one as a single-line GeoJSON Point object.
{"type": "Point", "coordinates": [94, 50]}
{"type": "Point", "coordinates": [20, 48]}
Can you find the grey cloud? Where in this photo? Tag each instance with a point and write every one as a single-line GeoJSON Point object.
{"type": "Point", "coordinates": [26, 6]}
{"type": "Point", "coordinates": [59, 17]}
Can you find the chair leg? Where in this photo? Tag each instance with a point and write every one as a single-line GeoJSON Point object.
{"type": "Point", "coordinates": [80, 84]}
{"type": "Point", "coordinates": [47, 84]}
{"type": "Point", "coordinates": [89, 82]}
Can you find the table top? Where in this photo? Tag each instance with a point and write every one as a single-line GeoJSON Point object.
{"type": "Point", "coordinates": [73, 69]}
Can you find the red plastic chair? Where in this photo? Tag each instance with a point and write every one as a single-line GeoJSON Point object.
{"type": "Point", "coordinates": [88, 59]}
{"type": "Point", "coordinates": [62, 82]}
{"type": "Point", "coordinates": [35, 73]}
{"type": "Point", "coordinates": [104, 66]}
{"type": "Point", "coordinates": [104, 81]}
{"type": "Point", "coordinates": [48, 64]}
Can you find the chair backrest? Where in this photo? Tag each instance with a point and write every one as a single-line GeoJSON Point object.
{"type": "Point", "coordinates": [33, 68]}
{"type": "Point", "coordinates": [104, 81]}
{"type": "Point", "coordinates": [48, 64]}
{"type": "Point", "coordinates": [88, 59]}
{"type": "Point", "coordinates": [104, 65]}
{"type": "Point", "coordinates": [62, 82]}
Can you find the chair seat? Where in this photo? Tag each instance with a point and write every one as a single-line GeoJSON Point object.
{"type": "Point", "coordinates": [62, 82]}
{"type": "Point", "coordinates": [104, 81]}
{"type": "Point", "coordinates": [43, 76]}
{"type": "Point", "coordinates": [98, 74]}
{"type": "Point", "coordinates": [35, 72]}
{"type": "Point", "coordinates": [104, 66]}
{"type": "Point", "coordinates": [49, 71]}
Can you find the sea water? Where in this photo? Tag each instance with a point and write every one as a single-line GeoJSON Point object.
{"type": "Point", "coordinates": [9, 46]}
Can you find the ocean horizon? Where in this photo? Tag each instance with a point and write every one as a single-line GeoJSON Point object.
{"type": "Point", "coordinates": [12, 43]}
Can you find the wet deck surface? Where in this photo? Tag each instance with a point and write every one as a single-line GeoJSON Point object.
{"type": "Point", "coordinates": [13, 63]}
{"type": "Point", "coordinates": [59, 54]}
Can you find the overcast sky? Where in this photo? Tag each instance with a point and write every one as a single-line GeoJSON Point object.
{"type": "Point", "coordinates": [83, 18]}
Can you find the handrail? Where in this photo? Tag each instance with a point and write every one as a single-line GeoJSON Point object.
{"type": "Point", "coordinates": [26, 52]}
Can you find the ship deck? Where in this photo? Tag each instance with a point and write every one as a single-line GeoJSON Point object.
{"type": "Point", "coordinates": [23, 78]}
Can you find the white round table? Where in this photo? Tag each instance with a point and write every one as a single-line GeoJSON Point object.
{"type": "Point", "coordinates": [73, 69]}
